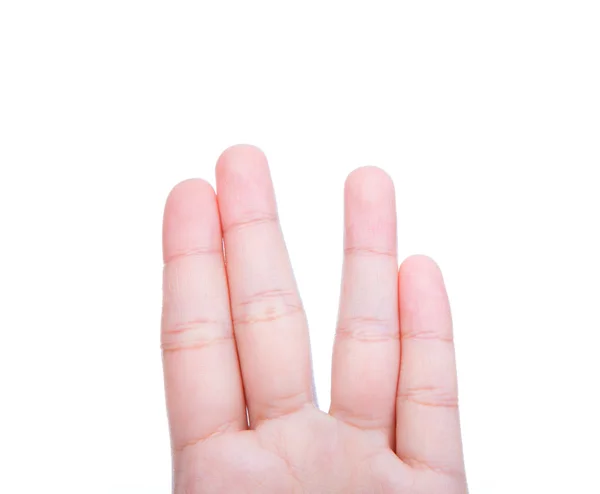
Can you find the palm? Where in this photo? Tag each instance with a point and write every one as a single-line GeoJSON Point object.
{"type": "Point", "coordinates": [237, 357]}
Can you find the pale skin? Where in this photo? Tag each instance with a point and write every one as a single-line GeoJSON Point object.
{"type": "Point", "coordinates": [235, 339]}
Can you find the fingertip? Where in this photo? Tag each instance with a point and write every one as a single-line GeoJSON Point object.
{"type": "Point", "coordinates": [420, 263]}
{"type": "Point", "coordinates": [370, 211]}
{"type": "Point", "coordinates": [187, 190]}
{"type": "Point", "coordinates": [368, 172]}
{"type": "Point", "coordinates": [369, 183]}
{"type": "Point", "coordinates": [244, 185]}
{"type": "Point", "coordinates": [420, 272]}
{"type": "Point", "coordinates": [188, 198]}
{"type": "Point", "coordinates": [239, 158]}
{"type": "Point", "coordinates": [420, 266]}
{"type": "Point", "coordinates": [190, 218]}
{"type": "Point", "coordinates": [242, 148]}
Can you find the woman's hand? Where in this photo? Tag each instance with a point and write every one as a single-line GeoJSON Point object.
{"type": "Point", "coordinates": [235, 337]}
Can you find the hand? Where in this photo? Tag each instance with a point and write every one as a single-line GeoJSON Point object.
{"type": "Point", "coordinates": [235, 337]}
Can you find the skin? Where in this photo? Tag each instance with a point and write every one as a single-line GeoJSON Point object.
{"type": "Point", "coordinates": [235, 338]}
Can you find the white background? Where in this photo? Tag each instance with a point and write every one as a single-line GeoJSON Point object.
{"type": "Point", "coordinates": [486, 114]}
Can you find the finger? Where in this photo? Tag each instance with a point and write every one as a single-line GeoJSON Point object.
{"type": "Point", "coordinates": [269, 321]}
{"type": "Point", "coordinates": [202, 379]}
{"type": "Point", "coordinates": [367, 348]}
{"type": "Point", "coordinates": [428, 430]}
